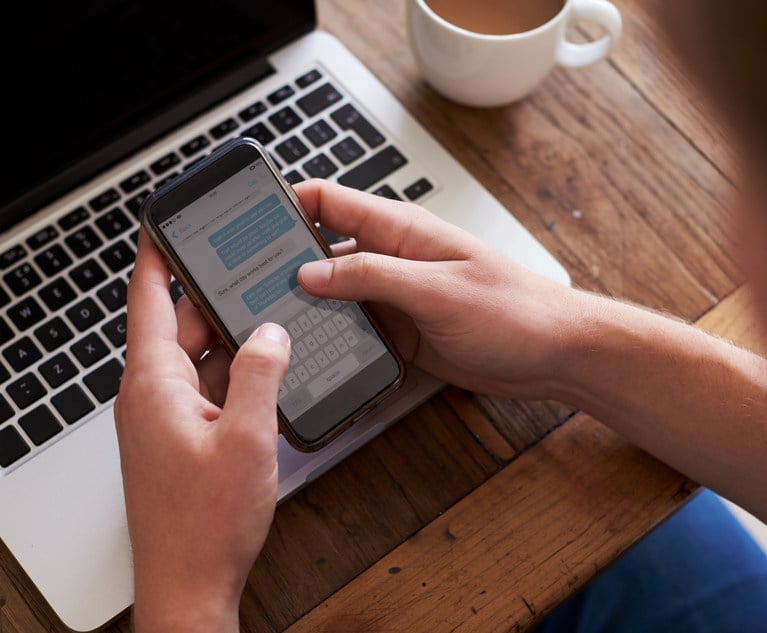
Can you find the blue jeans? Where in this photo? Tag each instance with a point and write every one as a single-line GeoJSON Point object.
{"type": "Point", "coordinates": [699, 571]}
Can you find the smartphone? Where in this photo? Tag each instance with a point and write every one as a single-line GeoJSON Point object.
{"type": "Point", "coordinates": [234, 234]}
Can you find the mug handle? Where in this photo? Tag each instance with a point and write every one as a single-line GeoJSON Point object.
{"type": "Point", "coordinates": [602, 12]}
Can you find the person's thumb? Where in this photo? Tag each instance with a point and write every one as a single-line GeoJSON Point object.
{"type": "Point", "coordinates": [254, 380]}
{"type": "Point", "coordinates": [367, 276]}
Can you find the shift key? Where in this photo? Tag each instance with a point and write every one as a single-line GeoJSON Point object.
{"type": "Point", "coordinates": [104, 382]}
{"type": "Point", "coordinates": [373, 169]}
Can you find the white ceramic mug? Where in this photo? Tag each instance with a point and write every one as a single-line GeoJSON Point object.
{"type": "Point", "coordinates": [482, 70]}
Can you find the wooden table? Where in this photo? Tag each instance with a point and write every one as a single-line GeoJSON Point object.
{"type": "Point", "coordinates": [482, 514]}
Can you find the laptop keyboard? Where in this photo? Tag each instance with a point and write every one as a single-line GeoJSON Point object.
{"type": "Point", "coordinates": [63, 289]}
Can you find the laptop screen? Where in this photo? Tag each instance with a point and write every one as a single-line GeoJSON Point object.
{"type": "Point", "coordinates": [86, 82]}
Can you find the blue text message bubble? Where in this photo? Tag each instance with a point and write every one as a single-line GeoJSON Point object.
{"type": "Point", "coordinates": [277, 284]}
{"type": "Point", "coordinates": [255, 237]}
{"type": "Point", "coordinates": [243, 220]}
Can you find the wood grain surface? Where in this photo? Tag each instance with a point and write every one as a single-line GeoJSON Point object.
{"type": "Point", "coordinates": [482, 514]}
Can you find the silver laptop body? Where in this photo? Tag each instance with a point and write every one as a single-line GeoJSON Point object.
{"type": "Point", "coordinates": [62, 513]}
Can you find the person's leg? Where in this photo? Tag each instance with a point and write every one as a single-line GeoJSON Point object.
{"type": "Point", "coordinates": [699, 571]}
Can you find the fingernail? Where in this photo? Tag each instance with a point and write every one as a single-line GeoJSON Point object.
{"type": "Point", "coordinates": [274, 332]}
{"type": "Point", "coordinates": [317, 274]}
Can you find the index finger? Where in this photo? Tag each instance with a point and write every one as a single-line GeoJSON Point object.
{"type": "Point", "coordinates": [151, 315]}
{"type": "Point", "coordinates": [381, 225]}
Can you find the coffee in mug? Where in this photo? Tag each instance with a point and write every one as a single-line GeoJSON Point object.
{"type": "Point", "coordinates": [488, 53]}
{"type": "Point", "coordinates": [496, 17]}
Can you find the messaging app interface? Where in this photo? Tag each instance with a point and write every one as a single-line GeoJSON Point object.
{"type": "Point", "coordinates": [243, 243]}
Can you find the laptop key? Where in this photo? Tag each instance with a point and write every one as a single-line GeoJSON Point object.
{"type": "Point", "coordinates": [87, 275]}
{"type": "Point", "coordinates": [261, 133]}
{"type": "Point", "coordinates": [373, 169]}
{"type": "Point", "coordinates": [85, 314]}
{"type": "Point", "coordinates": [22, 353]}
{"type": "Point", "coordinates": [130, 184]}
{"type": "Point", "coordinates": [385, 191]}
{"type": "Point", "coordinates": [104, 382]}
{"type": "Point", "coordinates": [6, 410]}
{"type": "Point", "coordinates": [22, 279]}
{"type": "Point", "coordinates": [252, 111]}
{"type": "Point", "coordinates": [53, 260]}
{"type": "Point", "coordinates": [347, 117]}
{"type": "Point", "coordinates": [347, 150]}
{"type": "Point", "coordinates": [114, 223]}
{"type": "Point", "coordinates": [11, 256]}
{"type": "Point", "coordinates": [89, 349]}
{"type": "Point", "coordinates": [6, 333]}
{"type": "Point", "coordinates": [176, 290]}
{"type": "Point", "coordinates": [26, 313]}
{"type": "Point", "coordinates": [83, 241]}
{"type": "Point", "coordinates": [40, 424]}
{"type": "Point", "coordinates": [280, 95]}
{"type": "Point", "coordinates": [26, 390]}
{"type": "Point", "coordinates": [58, 370]}
{"type": "Point", "coordinates": [161, 165]}
{"type": "Point", "coordinates": [72, 403]}
{"type": "Point", "coordinates": [418, 188]}
{"type": "Point", "coordinates": [115, 330]}
{"type": "Point", "coordinates": [320, 167]}
{"type": "Point", "coordinates": [42, 237]}
{"type": "Point", "coordinates": [291, 149]}
{"type": "Point", "coordinates": [103, 200]}
{"type": "Point", "coordinates": [319, 99]}
{"type": "Point", "coordinates": [167, 179]}
{"type": "Point", "coordinates": [222, 129]}
{"type": "Point", "coordinates": [73, 218]}
{"type": "Point", "coordinates": [57, 294]}
{"type": "Point", "coordinates": [118, 256]}
{"type": "Point", "coordinates": [134, 204]}
{"type": "Point", "coordinates": [293, 177]}
{"type": "Point", "coordinates": [308, 78]}
{"type": "Point", "coordinates": [198, 143]}
{"type": "Point", "coordinates": [4, 298]}
{"type": "Point", "coordinates": [319, 133]}
{"type": "Point", "coordinates": [12, 446]}
{"type": "Point", "coordinates": [285, 120]}
{"type": "Point", "coordinates": [114, 295]}
{"type": "Point", "coordinates": [53, 334]}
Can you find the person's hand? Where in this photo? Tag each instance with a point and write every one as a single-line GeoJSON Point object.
{"type": "Point", "coordinates": [198, 448]}
{"type": "Point", "coordinates": [451, 304]}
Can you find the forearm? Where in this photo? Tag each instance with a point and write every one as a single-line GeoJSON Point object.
{"type": "Point", "coordinates": [694, 401]}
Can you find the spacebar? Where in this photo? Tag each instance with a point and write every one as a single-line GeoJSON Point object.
{"type": "Point", "coordinates": [333, 376]}
{"type": "Point", "coordinates": [373, 169]}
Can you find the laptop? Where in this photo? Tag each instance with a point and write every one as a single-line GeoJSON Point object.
{"type": "Point", "coordinates": [105, 100]}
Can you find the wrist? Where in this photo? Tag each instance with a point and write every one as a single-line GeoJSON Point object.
{"type": "Point", "coordinates": [567, 330]}
{"type": "Point", "coordinates": [176, 604]}
{"type": "Point", "coordinates": [156, 615]}
{"type": "Point", "coordinates": [611, 347]}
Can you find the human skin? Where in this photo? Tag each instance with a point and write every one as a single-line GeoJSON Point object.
{"type": "Point", "coordinates": [198, 437]}
{"type": "Point", "coordinates": [197, 447]}
{"type": "Point", "coordinates": [475, 319]}
{"type": "Point", "coordinates": [198, 450]}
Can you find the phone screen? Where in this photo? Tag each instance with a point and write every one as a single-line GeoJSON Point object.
{"type": "Point", "coordinates": [242, 242]}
